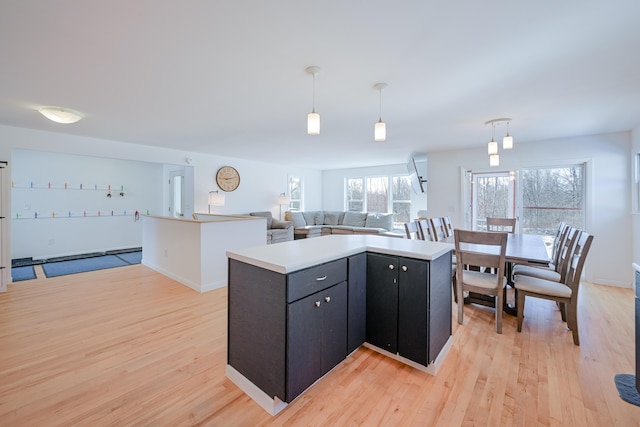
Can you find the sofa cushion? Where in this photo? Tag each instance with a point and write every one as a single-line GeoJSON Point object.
{"type": "Point", "coordinates": [341, 229]}
{"type": "Point", "coordinates": [356, 219]}
{"type": "Point", "coordinates": [275, 223]}
{"type": "Point", "coordinates": [296, 218]}
{"type": "Point", "coordinates": [380, 220]}
{"type": "Point", "coordinates": [333, 218]}
{"type": "Point", "coordinates": [266, 215]}
{"type": "Point", "coordinates": [319, 218]}
{"type": "Point", "coordinates": [310, 217]}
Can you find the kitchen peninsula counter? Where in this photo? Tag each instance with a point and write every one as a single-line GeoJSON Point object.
{"type": "Point", "coordinates": [298, 309]}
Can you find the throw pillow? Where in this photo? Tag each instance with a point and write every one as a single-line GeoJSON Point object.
{"type": "Point", "coordinates": [334, 218]}
{"type": "Point", "coordinates": [380, 220]}
{"type": "Point", "coordinates": [310, 217]}
{"type": "Point", "coordinates": [319, 218]}
{"type": "Point", "coordinates": [296, 218]}
{"type": "Point", "coordinates": [331, 218]}
{"type": "Point", "coordinates": [355, 219]}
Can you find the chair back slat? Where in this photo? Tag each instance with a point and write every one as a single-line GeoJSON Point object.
{"type": "Point", "coordinates": [425, 229]}
{"type": "Point", "coordinates": [448, 227]}
{"type": "Point", "coordinates": [501, 224]}
{"type": "Point", "coordinates": [480, 249]}
{"type": "Point", "coordinates": [437, 226]}
{"type": "Point", "coordinates": [579, 256]}
{"type": "Point", "coordinates": [412, 231]}
{"type": "Point", "coordinates": [566, 252]}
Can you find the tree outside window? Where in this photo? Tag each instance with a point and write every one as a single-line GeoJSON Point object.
{"type": "Point", "coordinates": [295, 193]}
{"type": "Point", "coordinates": [382, 194]}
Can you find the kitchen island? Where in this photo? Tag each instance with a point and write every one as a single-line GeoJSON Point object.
{"type": "Point", "coordinates": [297, 309]}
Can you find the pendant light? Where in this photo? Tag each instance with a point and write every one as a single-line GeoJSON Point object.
{"type": "Point", "coordinates": [380, 128]}
{"type": "Point", "coordinates": [492, 147]}
{"type": "Point", "coordinates": [507, 141]}
{"type": "Point", "coordinates": [313, 118]}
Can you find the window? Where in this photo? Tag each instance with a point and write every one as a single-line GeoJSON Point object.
{"type": "Point", "coordinates": [493, 195]}
{"type": "Point", "coordinates": [551, 195]}
{"type": "Point", "coordinates": [355, 195]}
{"type": "Point", "coordinates": [383, 194]}
{"type": "Point", "coordinates": [296, 192]}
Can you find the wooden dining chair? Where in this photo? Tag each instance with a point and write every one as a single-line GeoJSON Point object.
{"type": "Point", "coordinates": [425, 229]}
{"type": "Point", "coordinates": [507, 225]}
{"type": "Point", "coordinates": [437, 226]}
{"type": "Point", "coordinates": [490, 255]}
{"type": "Point", "coordinates": [412, 230]}
{"type": "Point", "coordinates": [448, 227]}
{"type": "Point", "coordinates": [556, 271]}
{"type": "Point", "coordinates": [564, 293]}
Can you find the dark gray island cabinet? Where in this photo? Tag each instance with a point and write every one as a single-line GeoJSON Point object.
{"type": "Point", "coordinates": [297, 309]}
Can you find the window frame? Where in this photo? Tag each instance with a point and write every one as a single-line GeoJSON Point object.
{"type": "Point", "coordinates": [390, 200]}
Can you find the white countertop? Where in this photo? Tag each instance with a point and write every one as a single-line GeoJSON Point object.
{"type": "Point", "coordinates": [636, 267]}
{"type": "Point", "coordinates": [287, 257]}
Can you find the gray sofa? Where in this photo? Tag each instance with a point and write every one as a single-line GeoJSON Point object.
{"type": "Point", "coordinates": [277, 231]}
{"type": "Point", "coordinates": [322, 223]}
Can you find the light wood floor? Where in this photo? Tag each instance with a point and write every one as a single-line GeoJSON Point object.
{"type": "Point", "coordinates": [128, 346]}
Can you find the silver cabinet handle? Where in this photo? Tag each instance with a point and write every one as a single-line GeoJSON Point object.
{"type": "Point", "coordinates": [320, 279]}
{"type": "Point", "coordinates": [327, 299]}
{"type": "Point", "coordinates": [404, 268]}
{"type": "Point", "coordinates": [317, 303]}
{"type": "Point", "coordinates": [391, 267]}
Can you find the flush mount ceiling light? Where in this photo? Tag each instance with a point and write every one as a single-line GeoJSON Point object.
{"type": "Point", "coordinates": [313, 118]}
{"type": "Point", "coordinates": [60, 115]}
{"type": "Point", "coordinates": [380, 128]}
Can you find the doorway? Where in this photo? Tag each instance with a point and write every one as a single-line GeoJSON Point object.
{"type": "Point", "coordinates": [176, 194]}
{"type": "Point", "coordinates": [491, 194]}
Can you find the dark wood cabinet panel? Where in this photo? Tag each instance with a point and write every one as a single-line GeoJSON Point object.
{"type": "Point", "coordinates": [440, 327]}
{"type": "Point", "coordinates": [413, 317]}
{"type": "Point", "coordinates": [257, 326]}
{"type": "Point", "coordinates": [357, 302]}
{"type": "Point", "coordinates": [382, 301]}
{"type": "Point", "coordinates": [316, 337]}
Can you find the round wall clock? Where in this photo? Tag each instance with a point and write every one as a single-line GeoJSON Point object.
{"type": "Point", "coordinates": [227, 178]}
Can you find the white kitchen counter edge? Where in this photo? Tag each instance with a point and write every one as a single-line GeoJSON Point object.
{"type": "Point", "coordinates": [636, 267]}
{"type": "Point", "coordinates": [287, 257]}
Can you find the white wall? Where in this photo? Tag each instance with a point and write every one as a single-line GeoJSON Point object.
{"type": "Point", "coordinates": [49, 220]}
{"type": "Point", "coordinates": [334, 182]}
{"type": "Point", "coordinates": [608, 203]}
{"type": "Point", "coordinates": [260, 185]}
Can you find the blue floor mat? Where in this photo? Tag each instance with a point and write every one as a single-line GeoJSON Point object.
{"type": "Point", "coordinates": [131, 257]}
{"type": "Point", "coordinates": [19, 274]}
{"type": "Point", "coordinates": [61, 268]}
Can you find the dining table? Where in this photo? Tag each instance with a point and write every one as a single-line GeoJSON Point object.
{"type": "Point", "coordinates": [527, 249]}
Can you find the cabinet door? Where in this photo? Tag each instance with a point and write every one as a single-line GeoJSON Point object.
{"type": "Point", "coordinates": [334, 326]}
{"type": "Point", "coordinates": [316, 337]}
{"type": "Point", "coordinates": [357, 302]}
{"type": "Point", "coordinates": [413, 319]}
{"type": "Point", "coordinates": [382, 302]}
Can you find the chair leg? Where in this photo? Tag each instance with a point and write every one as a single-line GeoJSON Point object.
{"type": "Point", "coordinates": [499, 310]}
{"type": "Point", "coordinates": [520, 301]}
{"type": "Point", "coordinates": [460, 303]}
{"type": "Point", "coordinates": [453, 284]}
{"type": "Point", "coordinates": [572, 321]}
{"type": "Point", "coordinates": [563, 311]}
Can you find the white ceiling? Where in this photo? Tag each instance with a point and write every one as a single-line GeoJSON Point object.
{"type": "Point", "coordinates": [228, 77]}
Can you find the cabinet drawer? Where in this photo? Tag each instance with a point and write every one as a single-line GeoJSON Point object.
{"type": "Point", "coordinates": [314, 279]}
